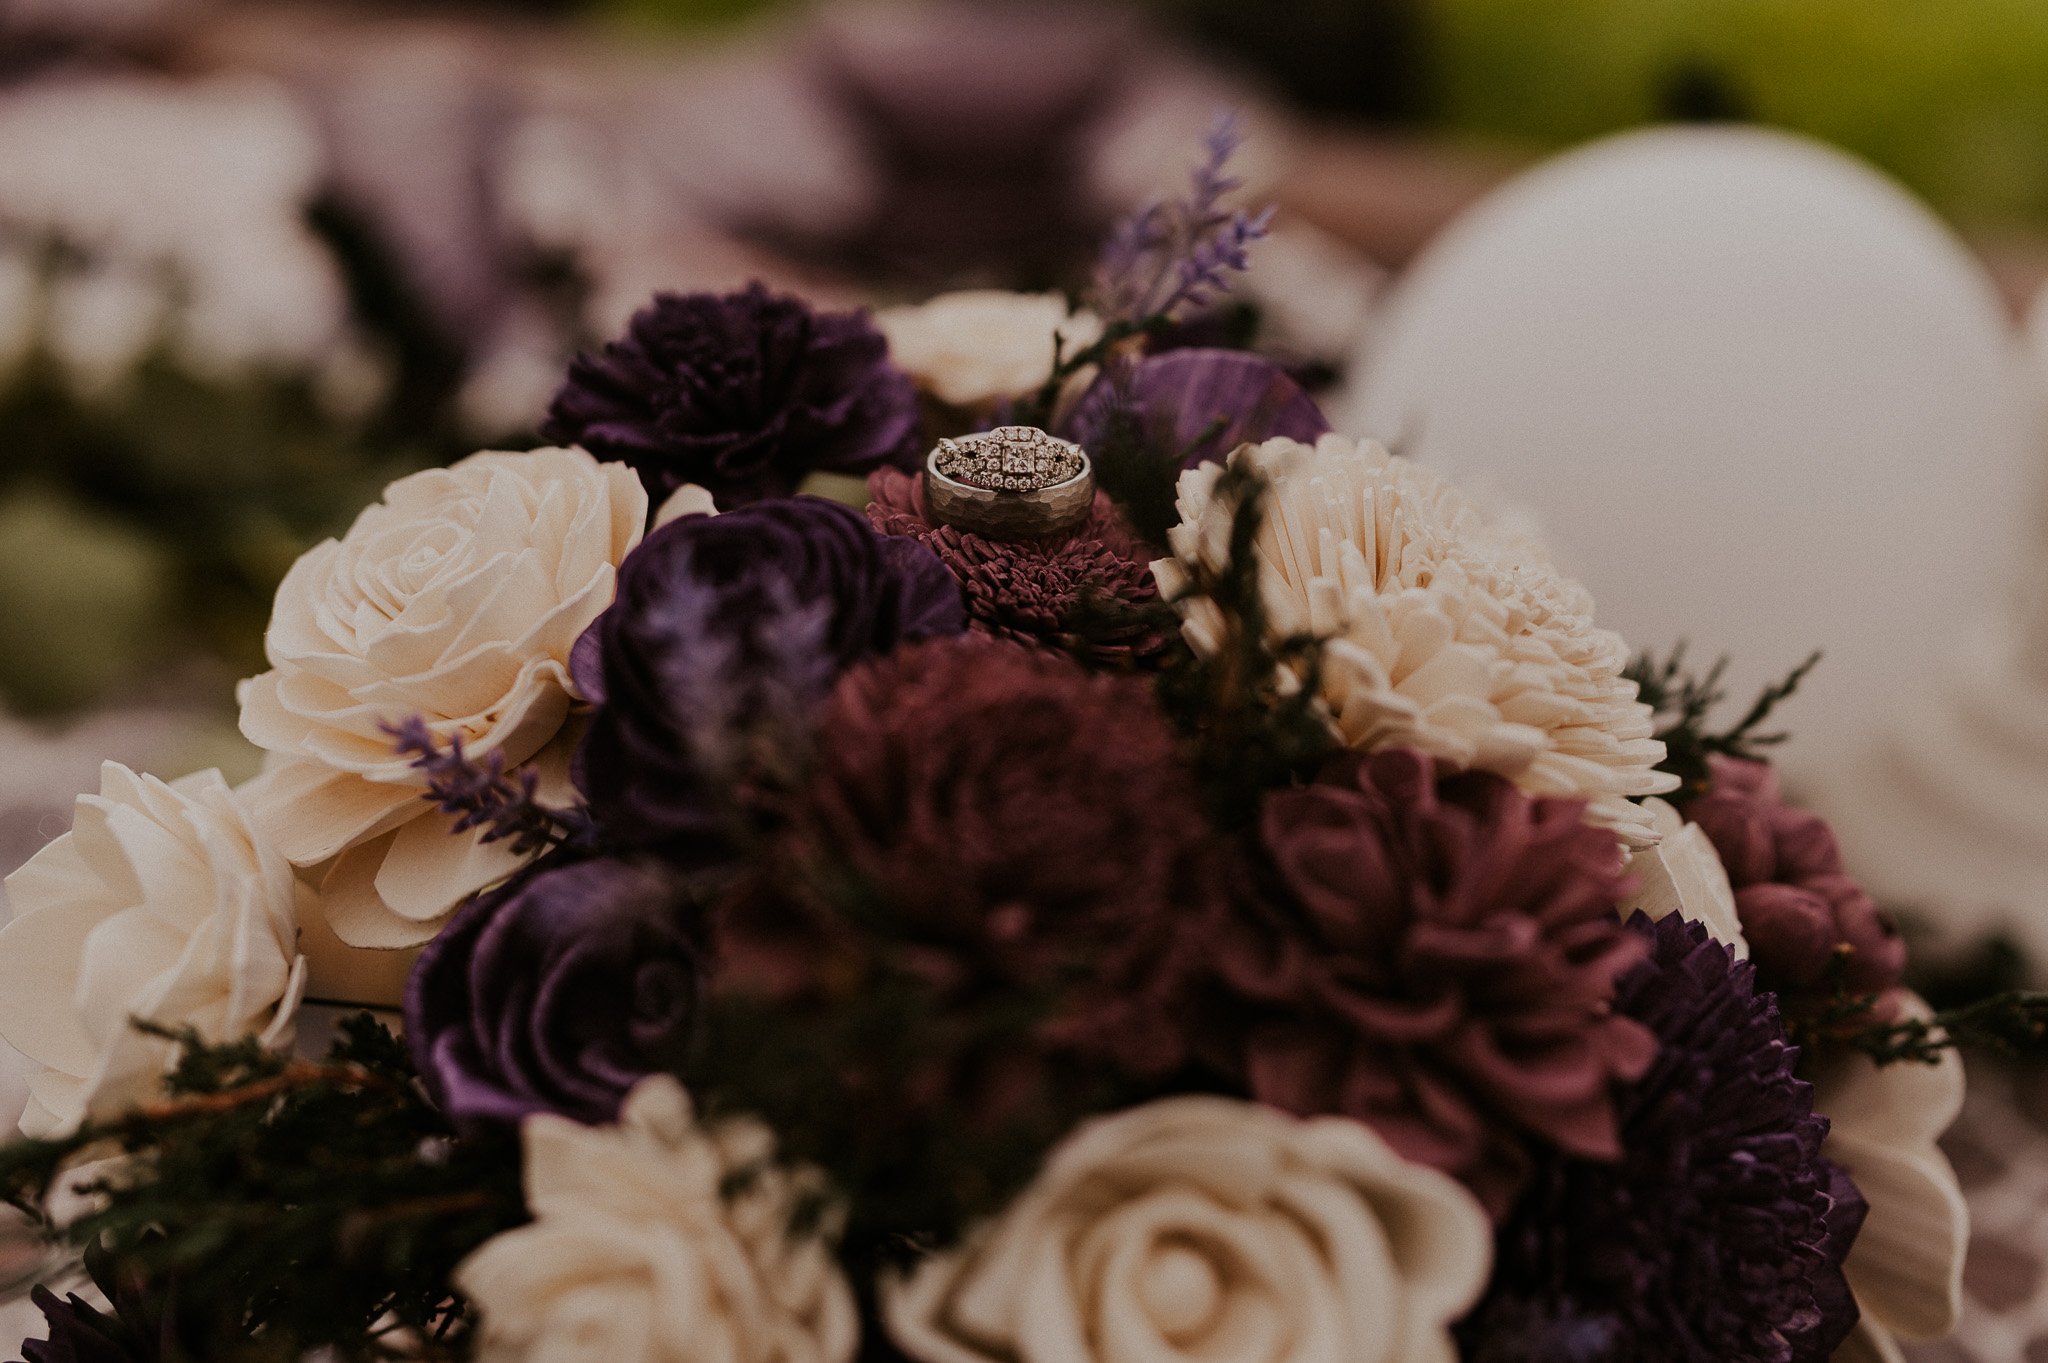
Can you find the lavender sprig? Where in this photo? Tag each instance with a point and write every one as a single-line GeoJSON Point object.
{"type": "Point", "coordinates": [1159, 262]}
{"type": "Point", "coordinates": [481, 795]}
{"type": "Point", "coordinates": [1168, 257]}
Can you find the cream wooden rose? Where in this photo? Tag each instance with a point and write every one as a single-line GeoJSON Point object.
{"type": "Point", "coordinates": [979, 346]}
{"type": "Point", "coordinates": [1203, 1228]}
{"type": "Point", "coordinates": [163, 902]}
{"type": "Point", "coordinates": [659, 1241]}
{"type": "Point", "coordinates": [456, 599]}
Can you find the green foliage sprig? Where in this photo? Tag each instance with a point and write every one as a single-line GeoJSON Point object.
{"type": "Point", "coordinates": [1251, 706]}
{"type": "Point", "coordinates": [2014, 1022]}
{"type": "Point", "coordinates": [1683, 704]}
{"type": "Point", "coordinates": [289, 1205]}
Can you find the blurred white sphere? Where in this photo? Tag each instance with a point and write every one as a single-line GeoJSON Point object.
{"type": "Point", "coordinates": [1757, 397]}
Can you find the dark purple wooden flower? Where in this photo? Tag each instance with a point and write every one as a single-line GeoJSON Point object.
{"type": "Point", "coordinates": [742, 393]}
{"type": "Point", "coordinates": [1719, 1234]}
{"type": "Point", "coordinates": [1186, 407]}
{"type": "Point", "coordinates": [731, 628]}
{"type": "Point", "coordinates": [556, 993]}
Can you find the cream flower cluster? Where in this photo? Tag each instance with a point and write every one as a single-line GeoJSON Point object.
{"type": "Point", "coordinates": [1203, 1228]}
{"type": "Point", "coordinates": [1445, 631]}
{"type": "Point", "coordinates": [455, 600]}
{"type": "Point", "coordinates": [163, 903]}
{"type": "Point", "coordinates": [660, 1240]}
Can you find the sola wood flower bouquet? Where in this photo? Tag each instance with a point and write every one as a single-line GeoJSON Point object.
{"type": "Point", "coordinates": [1139, 877]}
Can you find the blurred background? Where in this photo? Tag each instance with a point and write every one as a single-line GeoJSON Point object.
{"type": "Point", "coordinates": [1770, 372]}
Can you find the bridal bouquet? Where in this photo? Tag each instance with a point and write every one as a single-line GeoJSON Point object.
{"type": "Point", "coordinates": [1127, 875]}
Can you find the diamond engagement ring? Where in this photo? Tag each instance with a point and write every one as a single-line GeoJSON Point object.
{"type": "Point", "coordinates": [1012, 482]}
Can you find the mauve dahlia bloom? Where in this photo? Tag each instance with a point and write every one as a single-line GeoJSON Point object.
{"type": "Point", "coordinates": [1436, 958]}
{"type": "Point", "coordinates": [1800, 911]}
{"type": "Point", "coordinates": [742, 394]}
{"type": "Point", "coordinates": [1033, 591]}
{"type": "Point", "coordinates": [726, 622]}
{"type": "Point", "coordinates": [1719, 1235]}
{"type": "Point", "coordinates": [556, 993]}
{"type": "Point", "coordinates": [1031, 829]}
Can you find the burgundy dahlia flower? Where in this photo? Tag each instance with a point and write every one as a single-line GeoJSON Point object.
{"type": "Point", "coordinates": [1437, 958]}
{"type": "Point", "coordinates": [1719, 1234]}
{"type": "Point", "coordinates": [1027, 834]}
{"type": "Point", "coordinates": [1809, 925]}
{"type": "Point", "coordinates": [1036, 591]}
{"type": "Point", "coordinates": [742, 394]}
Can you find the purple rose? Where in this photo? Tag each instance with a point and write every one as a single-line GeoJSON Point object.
{"type": "Point", "coordinates": [742, 394]}
{"type": "Point", "coordinates": [726, 626]}
{"type": "Point", "coordinates": [556, 993]}
{"type": "Point", "coordinates": [1191, 406]}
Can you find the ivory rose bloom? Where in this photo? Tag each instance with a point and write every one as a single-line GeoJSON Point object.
{"type": "Point", "coordinates": [456, 599]}
{"type": "Point", "coordinates": [659, 1240]}
{"type": "Point", "coordinates": [1204, 1228]}
{"type": "Point", "coordinates": [982, 345]}
{"type": "Point", "coordinates": [163, 902]}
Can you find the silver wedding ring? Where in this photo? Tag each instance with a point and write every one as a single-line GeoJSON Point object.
{"type": "Point", "coordinates": [1014, 482]}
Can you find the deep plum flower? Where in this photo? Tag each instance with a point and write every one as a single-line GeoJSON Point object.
{"type": "Point", "coordinates": [1029, 831]}
{"type": "Point", "coordinates": [1186, 407]}
{"type": "Point", "coordinates": [1036, 591]}
{"type": "Point", "coordinates": [1436, 959]}
{"type": "Point", "coordinates": [1719, 1235]}
{"type": "Point", "coordinates": [141, 1327]}
{"type": "Point", "coordinates": [725, 623]}
{"type": "Point", "coordinates": [742, 394]}
{"type": "Point", "coordinates": [556, 993]}
{"type": "Point", "coordinates": [1809, 925]}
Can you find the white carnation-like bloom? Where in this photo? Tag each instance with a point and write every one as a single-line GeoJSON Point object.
{"type": "Point", "coordinates": [981, 345]}
{"type": "Point", "coordinates": [1683, 874]}
{"type": "Point", "coordinates": [164, 903]}
{"type": "Point", "coordinates": [1445, 630]}
{"type": "Point", "coordinates": [659, 1240]}
{"type": "Point", "coordinates": [1202, 1228]}
{"type": "Point", "coordinates": [455, 600]}
{"type": "Point", "coordinates": [1885, 1125]}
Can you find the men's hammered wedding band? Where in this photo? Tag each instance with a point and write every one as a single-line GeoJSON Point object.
{"type": "Point", "coordinates": [1014, 482]}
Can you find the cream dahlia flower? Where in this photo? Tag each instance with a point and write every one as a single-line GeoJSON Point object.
{"type": "Point", "coordinates": [1444, 630]}
{"type": "Point", "coordinates": [456, 599]}
{"type": "Point", "coordinates": [659, 1240]}
{"type": "Point", "coordinates": [982, 345]}
{"type": "Point", "coordinates": [164, 903]}
{"type": "Point", "coordinates": [1203, 1228]}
